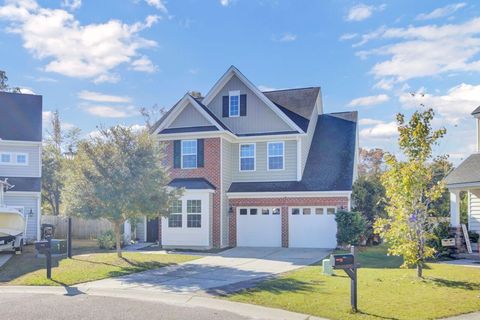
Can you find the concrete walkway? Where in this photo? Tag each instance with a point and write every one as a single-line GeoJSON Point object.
{"type": "Point", "coordinates": [219, 273]}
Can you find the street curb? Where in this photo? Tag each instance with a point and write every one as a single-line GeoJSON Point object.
{"type": "Point", "coordinates": [187, 300]}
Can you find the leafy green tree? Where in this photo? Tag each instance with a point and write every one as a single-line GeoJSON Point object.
{"type": "Point", "coordinates": [368, 196]}
{"type": "Point", "coordinates": [58, 147]}
{"type": "Point", "coordinates": [4, 83]}
{"type": "Point", "coordinates": [371, 162]}
{"type": "Point", "coordinates": [350, 226]}
{"type": "Point", "coordinates": [410, 192]}
{"type": "Point", "coordinates": [118, 176]}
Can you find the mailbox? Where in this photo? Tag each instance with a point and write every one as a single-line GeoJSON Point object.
{"type": "Point", "coordinates": [342, 261]}
{"type": "Point", "coordinates": [42, 246]}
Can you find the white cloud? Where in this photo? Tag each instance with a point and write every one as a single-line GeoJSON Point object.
{"type": "Point", "coordinates": [225, 3]}
{"type": "Point", "coordinates": [369, 100]}
{"type": "Point", "coordinates": [362, 11]}
{"type": "Point", "coordinates": [348, 36]}
{"type": "Point", "coordinates": [426, 51]}
{"type": "Point", "coordinates": [26, 91]}
{"type": "Point", "coordinates": [46, 117]}
{"type": "Point", "coordinates": [89, 51]}
{"type": "Point", "coordinates": [106, 111]}
{"type": "Point", "coordinates": [384, 84]}
{"type": "Point", "coordinates": [369, 122]}
{"type": "Point", "coordinates": [442, 12]}
{"type": "Point", "coordinates": [381, 130]}
{"type": "Point", "coordinates": [144, 64]}
{"type": "Point", "coordinates": [453, 106]}
{"type": "Point", "coordinates": [157, 4]}
{"type": "Point", "coordinates": [286, 37]}
{"type": "Point", "coordinates": [72, 4]}
{"type": "Point", "coordinates": [100, 97]}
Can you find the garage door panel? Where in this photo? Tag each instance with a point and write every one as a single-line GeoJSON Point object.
{"type": "Point", "coordinates": [312, 230]}
{"type": "Point", "coordinates": [259, 230]}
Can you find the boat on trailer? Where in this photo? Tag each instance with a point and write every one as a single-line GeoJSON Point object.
{"type": "Point", "coordinates": [12, 224]}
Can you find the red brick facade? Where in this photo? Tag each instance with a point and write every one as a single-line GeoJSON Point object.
{"type": "Point", "coordinates": [210, 171]}
{"type": "Point", "coordinates": [284, 204]}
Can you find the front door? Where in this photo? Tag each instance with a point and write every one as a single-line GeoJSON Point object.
{"type": "Point", "coordinates": [152, 230]}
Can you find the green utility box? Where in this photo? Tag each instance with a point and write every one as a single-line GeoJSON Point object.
{"type": "Point", "coordinates": [327, 267]}
{"type": "Point", "coordinates": [59, 246]}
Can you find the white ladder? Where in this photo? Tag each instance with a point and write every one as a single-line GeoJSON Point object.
{"type": "Point", "coordinates": [467, 238]}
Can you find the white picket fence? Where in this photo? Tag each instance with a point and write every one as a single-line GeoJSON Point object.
{"type": "Point", "coordinates": [81, 228]}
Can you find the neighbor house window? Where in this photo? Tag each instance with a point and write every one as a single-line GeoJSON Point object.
{"type": "Point", "coordinates": [318, 210]}
{"type": "Point", "coordinates": [276, 211]}
{"type": "Point", "coordinates": [295, 211]}
{"type": "Point", "coordinates": [234, 104]}
{"type": "Point", "coordinates": [243, 212]}
{"type": "Point", "coordinates": [265, 211]}
{"type": "Point", "coordinates": [247, 157]}
{"type": "Point", "coordinates": [275, 155]}
{"type": "Point", "coordinates": [194, 210]}
{"type": "Point", "coordinates": [175, 217]}
{"type": "Point", "coordinates": [189, 154]}
{"type": "Point", "coordinates": [12, 158]}
{"type": "Point", "coordinates": [253, 212]}
{"type": "Point", "coordinates": [307, 211]}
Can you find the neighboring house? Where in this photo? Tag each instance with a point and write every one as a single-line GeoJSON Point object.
{"type": "Point", "coordinates": [21, 155]}
{"type": "Point", "coordinates": [261, 169]}
{"type": "Point", "coordinates": [466, 177]}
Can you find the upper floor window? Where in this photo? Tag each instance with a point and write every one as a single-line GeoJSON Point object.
{"type": "Point", "coordinates": [247, 157]}
{"type": "Point", "coordinates": [234, 104]}
{"type": "Point", "coordinates": [189, 154]}
{"type": "Point", "coordinates": [276, 155]}
{"type": "Point", "coordinates": [11, 158]}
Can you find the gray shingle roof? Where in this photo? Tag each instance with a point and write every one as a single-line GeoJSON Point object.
{"type": "Point", "coordinates": [191, 183]}
{"type": "Point", "coordinates": [330, 162]}
{"type": "Point", "coordinates": [20, 117]}
{"type": "Point", "coordinates": [467, 172]}
{"type": "Point", "coordinates": [300, 101]}
{"type": "Point", "coordinates": [24, 184]}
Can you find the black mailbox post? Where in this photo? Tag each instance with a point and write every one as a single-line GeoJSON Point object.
{"type": "Point", "coordinates": [347, 262]}
{"type": "Point", "coordinates": [45, 247]}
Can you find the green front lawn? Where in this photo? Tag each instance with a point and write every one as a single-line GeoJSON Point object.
{"type": "Point", "coordinates": [87, 264]}
{"type": "Point", "coordinates": [384, 290]}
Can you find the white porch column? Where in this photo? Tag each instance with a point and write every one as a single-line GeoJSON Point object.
{"type": "Point", "coordinates": [454, 208]}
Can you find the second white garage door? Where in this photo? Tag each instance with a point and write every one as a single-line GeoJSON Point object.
{"type": "Point", "coordinates": [312, 227]}
{"type": "Point", "coordinates": [259, 227]}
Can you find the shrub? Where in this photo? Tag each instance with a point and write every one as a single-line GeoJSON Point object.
{"type": "Point", "coordinates": [351, 227]}
{"type": "Point", "coordinates": [441, 231]}
{"type": "Point", "coordinates": [473, 236]}
{"type": "Point", "coordinates": [106, 240]}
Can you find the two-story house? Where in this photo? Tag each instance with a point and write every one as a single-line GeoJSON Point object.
{"type": "Point", "coordinates": [260, 169]}
{"type": "Point", "coordinates": [21, 155]}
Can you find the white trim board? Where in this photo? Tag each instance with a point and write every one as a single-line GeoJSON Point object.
{"type": "Point", "coordinates": [289, 194]}
{"type": "Point", "coordinates": [234, 71]}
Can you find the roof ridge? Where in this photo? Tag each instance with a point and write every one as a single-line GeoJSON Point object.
{"type": "Point", "coordinates": [290, 89]}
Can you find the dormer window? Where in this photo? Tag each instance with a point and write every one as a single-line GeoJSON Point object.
{"type": "Point", "coordinates": [234, 104]}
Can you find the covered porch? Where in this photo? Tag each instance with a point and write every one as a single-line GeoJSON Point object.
{"type": "Point", "coordinates": [465, 178]}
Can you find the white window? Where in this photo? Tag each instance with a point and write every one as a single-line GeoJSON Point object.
{"type": "Point", "coordinates": [14, 158]}
{"type": "Point", "coordinates": [247, 157]}
{"type": "Point", "coordinates": [276, 155]}
{"type": "Point", "coordinates": [194, 210]}
{"type": "Point", "coordinates": [234, 103]}
{"type": "Point", "coordinates": [189, 154]}
{"type": "Point", "coordinates": [175, 217]}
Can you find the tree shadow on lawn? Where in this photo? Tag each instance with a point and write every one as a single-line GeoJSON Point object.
{"type": "Point", "coordinates": [465, 285]}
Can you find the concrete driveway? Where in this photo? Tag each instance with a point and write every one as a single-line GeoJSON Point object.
{"type": "Point", "coordinates": [220, 273]}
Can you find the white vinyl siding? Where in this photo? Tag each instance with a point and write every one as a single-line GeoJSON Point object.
{"type": "Point", "coordinates": [189, 117]}
{"type": "Point", "coordinates": [14, 169]}
{"type": "Point", "coordinates": [261, 173]}
{"type": "Point", "coordinates": [259, 118]}
{"type": "Point", "coordinates": [474, 212]}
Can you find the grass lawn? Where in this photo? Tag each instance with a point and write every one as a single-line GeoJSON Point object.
{"type": "Point", "coordinates": [384, 290]}
{"type": "Point", "coordinates": [88, 263]}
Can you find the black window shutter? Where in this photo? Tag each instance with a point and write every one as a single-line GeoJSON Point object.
{"type": "Point", "coordinates": [225, 107]}
{"type": "Point", "coordinates": [243, 105]}
{"type": "Point", "coordinates": [200, 153]}
{"type": "Point", "coordinates": [177, 153]}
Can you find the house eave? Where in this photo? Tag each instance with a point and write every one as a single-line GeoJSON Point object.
{"type": "Point", "coordinates": [289, 194]}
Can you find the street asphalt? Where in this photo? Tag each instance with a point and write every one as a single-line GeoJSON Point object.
{"type": "Point", "coordinates": [27, 306]}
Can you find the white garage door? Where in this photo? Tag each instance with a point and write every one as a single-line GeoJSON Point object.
{"type": "Point", "coordinates": [312, 227]}
{"type": "Point", "coordinates": [259, 227]}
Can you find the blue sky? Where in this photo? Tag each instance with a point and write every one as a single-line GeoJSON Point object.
{"type": "Point", "coordinates": [98, 61]}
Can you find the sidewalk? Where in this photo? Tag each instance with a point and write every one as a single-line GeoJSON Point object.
{"type": "Point", "coordinates": [242, 309]}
